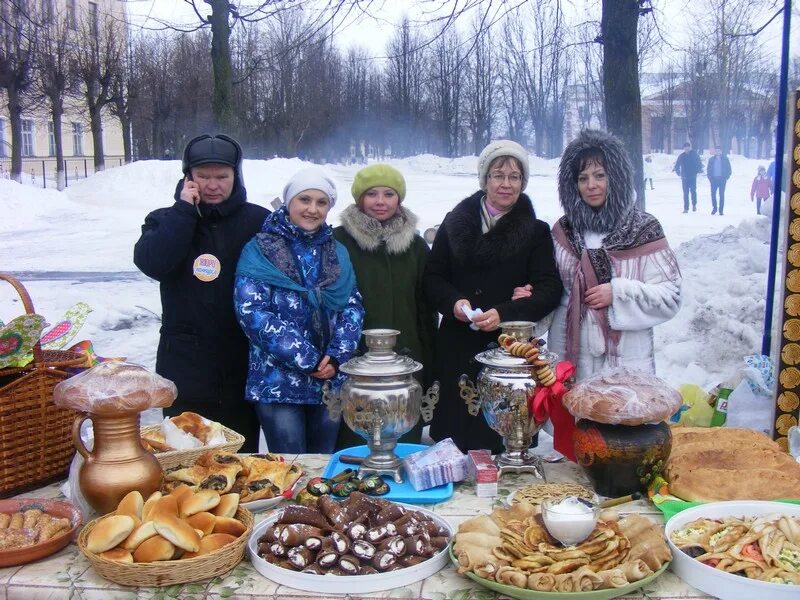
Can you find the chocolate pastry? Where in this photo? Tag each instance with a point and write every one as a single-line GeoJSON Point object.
{"type": "Point", "coordinates": [439, 542]}
{"type": "Point", "coordinates": [356, 531]}
{"type": "Point", "coordinates": [395, 545]}
{"type": "Point", "coordinates": [302, 514]}
{"type": "Point", "coordinates": [409, 560]}
{"type": "Point", "coordinates": [340, 542]}
{"type": "Point", "coordinates": [376, 534]}
{"type": "Point", "coordinates": [333, 511]}
{"type": "Point", "coordinates": [363, 550]}
{"type": "Point", "coordinates": [300, 557]}
{"type": "Point", "coordinates": [349, 564]}
{"type": "Point", "coordinates": [297, 533]}
{"type": "Point", "coordinates": [383, 559]}
{"type": "Point", "coordinates": [417, 544]}
{"type": "Point", "coordinates": [313, 543]}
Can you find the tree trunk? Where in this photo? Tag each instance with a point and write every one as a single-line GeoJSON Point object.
{"type": "Point", "coordinates": [96, 123]}
{"type": "Point", "coordinates": [622, 97]}
{"type": "Point", "coordinates": [56, 112]}
{"type": "Point", "coordinates": [15, 120]}
{"type": "Point", "coordinates": [125, 124]}
{"type": "Point", "coordinates": [221, 64]}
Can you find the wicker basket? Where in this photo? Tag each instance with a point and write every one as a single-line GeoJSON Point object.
{"type": "Point", "coordinates": [172, 572]}
{"type": "Point", "coordinates": [35, 435]}
{"type": "Point", "coordinates": [186, 458]}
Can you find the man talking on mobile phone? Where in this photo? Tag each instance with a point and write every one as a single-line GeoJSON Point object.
{"type": "Point", "coordinates": [191, 248]}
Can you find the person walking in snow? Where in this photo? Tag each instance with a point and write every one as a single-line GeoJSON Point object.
{"type": "Point", "coordinates": [718, 171]}
{"type": "Point", "coordinates": [490, 243]}
{"type": "Point", "coordinates": [761, 189]}
{"type": "Point", "coordinates": [687, 167]}
{"type": "Point", "coordinates": [191, 249]}
{"type": "Point", "coordinates": [389, 259]}
{"type": "Point", "coordinates": [619, 274]}
{"type": "Point", "coordinates": [296, 299]}
{"type": "Point", "coordinates": [648, 171]}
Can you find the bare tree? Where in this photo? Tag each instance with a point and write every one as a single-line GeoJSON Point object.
{"type": "Point", "coordinates": [99, 65]}
{"type": "Point", "coordinates": [18, 42]}
{"type": "Point", "coordinates": [481, 87]}
{"type": "Point", "coordinates": [445, 90]}
{"type": "Point", "coordinates": [54, 64]}
{"type": "Point", "coordinates": [405, 75]}
{"type": "Point", "coordinates": [668, 95]}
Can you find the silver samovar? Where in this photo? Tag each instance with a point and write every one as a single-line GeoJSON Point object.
{"type": "Point", "coordinates": [381, 400]}
{"type": "Point", "coordinates": [504, 384]}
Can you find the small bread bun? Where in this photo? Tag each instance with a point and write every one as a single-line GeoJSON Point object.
{"type": "Point", "coordinates": [201, 501]}
{"type": "Point", "coordinates": [204, 521]}
{"type": "Point", "coordinates": [166, 505]}
{"type": "Point", "coordinates": [109, 532]}
{"type": "Point", "coordinates": [132, 504]}
{"type": "Point", "coordinates": [118, 555]}
{"type": "Point", "coordinates": [155, 548]}
{"type": "Point", "coordinates": [143, 532]}
{"type": "Point", "coordinates": [212, 542]}
{"type": "Point", "coordinates": [179, 532]}
{"type": "Point", "coordinates": [228, 503]}
{"type": "Point", "coordinates": [230, 526]}
{"type": "Point", "coordinates": [151, 501]}
{"type": "Point", "coordinates": [181, 492]}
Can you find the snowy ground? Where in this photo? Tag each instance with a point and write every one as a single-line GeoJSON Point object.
{"type": "Point", "coordinates": [78, 246]}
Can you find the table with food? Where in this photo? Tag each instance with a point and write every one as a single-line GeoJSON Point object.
{"type": "Point", "coordinates": [626, 503]}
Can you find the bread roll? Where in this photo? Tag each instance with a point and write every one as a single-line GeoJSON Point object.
{"type": "Point", "coordinates": [210, 543]}
{"type": "Point", "coordinates": [201, 501]}
{"type": "Point", "coordinates": [179, 532]}
{"type": "Point", "coordinates": [109, 532]}
{"type": "Point", "coordinates": [141, 533]}
{"type": "Point", "coordinates": [204, 521]}
{"type": "Point", "coordinates": [181, 492]}
{"type": "Point", "coordinates": [623, 396]}
{"type": "Point", "coordinates": [229, 525]}
{"type": "Point", "coordinates": [132, 504]}
{"type": "Point", "coordinates": [155, 548]}
{"type": "Point", "coordinates": [166, 505]}
{"type": "Point", "coordinates": [118, 555]}
{"type": "Point", "coordinates": [228, 503]}
{"type": "Point", "coordinates": [151, 501]}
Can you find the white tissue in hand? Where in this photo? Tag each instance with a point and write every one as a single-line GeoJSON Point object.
{"type": "Point", "coordinates": [471, 314]}
{"type": "Point", "coordinates": [177, 438]}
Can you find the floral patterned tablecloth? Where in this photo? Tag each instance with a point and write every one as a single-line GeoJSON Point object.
{"type": "Point", "coordinates": [67, 575]}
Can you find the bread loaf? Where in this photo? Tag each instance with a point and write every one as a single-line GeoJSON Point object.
{"type": "Point", "coordinates": [210, 543]}
{"type": "Point", "coordinates": [132, 504]}
{"type": "Point", "coordinates": [118, 555]}
{"type": "Point", "coordinates": [177, 531]}
{"type": "Point", "coordinates": [155, 548]}
{"type": "Point", "coordinates": [230, 526]}
{"type": "Point", "coordinates": [203, 521]}
{"type": "Point", "coordinates": [227, 506]}
{"type": "Point", "coordinates": [143, 532]}
{"type": "Point", "coordinates": [166, 505]}
{"type": "Point", "coordinates": [200, 501]}
{"type": "Point", "coordinates": [622, 397]}
{"type": "Point", "coordinates": [109, 532]}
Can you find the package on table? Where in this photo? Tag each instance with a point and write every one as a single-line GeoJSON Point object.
{"type": "Point", "coordinates": [436, 465]}
{"type": "Point", "coordinates": [483, 470]}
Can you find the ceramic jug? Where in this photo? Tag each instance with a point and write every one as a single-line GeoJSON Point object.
{"type": "Point", "coordinates": [117, 464]}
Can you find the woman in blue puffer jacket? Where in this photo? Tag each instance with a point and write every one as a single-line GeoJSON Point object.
{"type": "Point", "coordinates": [296, 299]}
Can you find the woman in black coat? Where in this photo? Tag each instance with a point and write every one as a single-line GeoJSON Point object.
{"type": "Point", "coordinates": [489, 244]}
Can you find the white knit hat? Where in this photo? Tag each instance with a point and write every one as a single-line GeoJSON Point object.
{"type": "Point", "coordinates": [311, 178]}
{"type": "Point", "coordinates": [499, 148]}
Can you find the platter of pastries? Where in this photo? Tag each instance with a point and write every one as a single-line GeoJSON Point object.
{"type": "Point", "coordinates": [536, 493]}
{"type": "Point", "coordinates": [204, 431]}
{"type": "Point", "coordinates": [511, 551]}
{"type": "Point", "coordinates": [749, 549]}
{"type": "Point", "coordinates": [261, 480]}
{"type": "Point", "coordinates": [722, 463]}
{"type": "Point", "coordinates": [32, 528]}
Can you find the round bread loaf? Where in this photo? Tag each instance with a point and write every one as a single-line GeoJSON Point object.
{"type": "Point", "coordinates": [109, 532]}
{"type": "Point", "coordinates": [622, 396]}
{"type": "Point", "coordinates": [114, 386]}
{"type": "Point", "coordinates": [155, 548]}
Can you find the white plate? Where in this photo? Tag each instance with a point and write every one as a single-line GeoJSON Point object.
{"type": "Point", "coordinates": [728, 586]}
{"type": "Point", "coordinates": [346, 584]}
{"type": "Point", "coordinates": [265, 503]}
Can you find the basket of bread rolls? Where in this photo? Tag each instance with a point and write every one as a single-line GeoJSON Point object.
{"type": "Point", "coordinates": [168, 539]}
{"type": "Point", "coordinates": [204, 433]}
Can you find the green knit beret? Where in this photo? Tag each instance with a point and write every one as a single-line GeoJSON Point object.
{"type": "Point", "coordinates": [378, 175]}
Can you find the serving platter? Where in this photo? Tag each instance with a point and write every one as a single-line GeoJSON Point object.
{"type": "Point", "coordinates": [267, 503]}
{"type": "Point", "coordinates": [330, 584]}
{"type": "Point", "coordinates": [57, 508]}
{"type": "Point", "coordinates": [716, 582]}
{"type": "Point", "coordinates": [521, 594]}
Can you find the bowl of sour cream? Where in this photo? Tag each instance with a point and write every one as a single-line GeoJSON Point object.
{"type": "Point", "coordinates": [570, 520]}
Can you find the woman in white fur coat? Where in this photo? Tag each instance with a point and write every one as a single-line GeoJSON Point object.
{"type": "Point", "coordinates": [620, 276]}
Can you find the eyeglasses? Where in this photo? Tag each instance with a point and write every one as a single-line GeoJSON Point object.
{"type": "Point", "coordinates": [500, 177]}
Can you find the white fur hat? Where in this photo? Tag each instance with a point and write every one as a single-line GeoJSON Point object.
{"type": "Point", "coordinates": [311, 178]}
{"type": "Point", "coordinates": [499, 148]}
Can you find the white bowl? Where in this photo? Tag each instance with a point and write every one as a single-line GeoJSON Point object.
{"type": "Point", "coordinates": [346, 584]}
{"type": "Point", "coordinates": [728, 586]}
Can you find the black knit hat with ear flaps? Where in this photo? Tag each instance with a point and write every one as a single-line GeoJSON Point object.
{"type": "Point", "coordinates": [219, 150]}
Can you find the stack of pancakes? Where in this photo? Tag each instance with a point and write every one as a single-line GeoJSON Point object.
{"type": "Point", "coordinates": [708, 464]}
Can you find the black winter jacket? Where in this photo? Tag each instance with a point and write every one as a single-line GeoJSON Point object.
{"type": "Point", "coordinates": [202, 349]}
{"type": "Point", "coordinates": [484, 269]}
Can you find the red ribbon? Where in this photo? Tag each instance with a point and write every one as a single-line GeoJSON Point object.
{"type": "Point", "coordinates": [546, 402]}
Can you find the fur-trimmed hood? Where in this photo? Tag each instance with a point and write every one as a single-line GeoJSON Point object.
{"type": "Point", "coordinates": [621, 195]}
{"type": "Point", "coordinates": [470, 246]}
{"type": "Point", "coordinates": [398, 232]}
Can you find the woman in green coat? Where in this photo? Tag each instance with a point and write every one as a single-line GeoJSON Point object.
{"type": "Point", "coordinates": [388, 256]}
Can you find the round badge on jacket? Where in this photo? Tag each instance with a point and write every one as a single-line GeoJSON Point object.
{"type": "Point", "coordinates": [206, 267]}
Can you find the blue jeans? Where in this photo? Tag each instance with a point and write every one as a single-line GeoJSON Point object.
{"type": "Point", "coordinates": [297, 428]}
